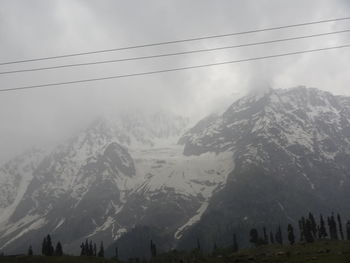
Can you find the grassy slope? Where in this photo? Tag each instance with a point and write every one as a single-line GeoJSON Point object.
{"type": "Point", "coordinates": [65, 259]}
{"type": "Point", "coordinates": [319, 252]}
{"type": "Point", "coordinates": [323, 251]}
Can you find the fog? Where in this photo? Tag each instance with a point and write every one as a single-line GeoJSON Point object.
{"type": "Point", "coordinates": [40, 28]}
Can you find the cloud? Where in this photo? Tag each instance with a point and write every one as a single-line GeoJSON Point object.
{"type": "Point", "coordinates": [44, 28]}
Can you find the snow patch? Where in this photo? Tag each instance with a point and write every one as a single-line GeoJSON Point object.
{"type": "Point", "coordinates": [178, 234]}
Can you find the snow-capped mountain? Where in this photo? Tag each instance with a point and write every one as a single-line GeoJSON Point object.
{"type": "Point", "coordinates": [266, 160]}
{"type": "Point", "coordinates": [291, 153]}
{"type": "Point", "coordinates": [309, 118]}
{"type": "Point", "coordinates": [14, 179]}
{"type": "Point", "coordinates": [299, 129]}
{"type": "Point", "coordinates": [114, 175]}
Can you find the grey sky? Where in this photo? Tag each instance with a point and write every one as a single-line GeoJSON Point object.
{"type": "Point", "coordinates": [42, 28]}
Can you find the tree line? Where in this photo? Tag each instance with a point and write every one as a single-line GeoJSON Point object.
{"type": "Point", "coordinates": [47, 248]}
{"type": "Point", "coordinates": [87, 248]}
{"type": "Point", "coordinates": [309, 231]}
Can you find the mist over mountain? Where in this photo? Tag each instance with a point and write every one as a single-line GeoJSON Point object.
{"type": "Point", "coordinates": [290, 153]}
{"type": "Point", "coordinates": [268, 159]}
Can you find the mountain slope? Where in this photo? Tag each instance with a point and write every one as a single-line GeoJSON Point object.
{"type": "Point", "coordinates": [291, 151]}
{"type": "Point", "coordinates": [267, 160]}
{"type": "Point", "coordinates": [116, 174]}
{"type": "Point", "coordinates": [15, 177]}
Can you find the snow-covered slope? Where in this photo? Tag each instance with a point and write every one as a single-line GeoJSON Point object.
{"type": "Point", "coordinates": [291, 150]}
{"type": "Point", "coordinates": [14, 179]}
{"type": "Point", "coordinates": [297, 116]}
{"type": "Point", "coordinates": [114, 175]}
{"type": "Point", "coordinates": [267, 159]}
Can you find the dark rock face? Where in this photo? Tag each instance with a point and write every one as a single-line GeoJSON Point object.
{"type": "Point", "coordinates": [118, 158]}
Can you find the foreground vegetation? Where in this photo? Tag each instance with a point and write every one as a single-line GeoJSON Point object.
{"type": "Point", "coordinates": [316, 244]}
{"type": "Point", "coordinates": [317, 252]}
{"type": "Point", "coordinates": [63, 259]}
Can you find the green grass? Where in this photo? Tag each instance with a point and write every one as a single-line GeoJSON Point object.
{"type": "Point", "coordinates": [64, 259]}
{"type": "Point", "coordinates": [318, 252]}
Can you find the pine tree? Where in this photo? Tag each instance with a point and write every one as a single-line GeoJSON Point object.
{"type": "Point", "coordinates": [44, 247]}
{"type": "Point", "coordinates": [322, 233]}
{"type": "Point", "coordinates": [101, 252]}
{"type": "Point", "coordinates": [235, 244]}
{"type": "Point", "coordinates": [313, 225]}
{"type": "Point", "coordinates": [198, 244]}
{"type": "Point", "coordinates": [82, 251]}
{"type": "Point", "coordinates": [348, 230]}
{"type": "Point", "coordinates": [30, 251]}
{"type": "Point", "coordinates": [86, 248]}
{"type": "Point", "coordinates": [254, 236]}
{"type": "Point", "coordinates": [302, 229]}
{"type": "Point", "coordinates": [332, 227]}
{"type": "Point", "coordinates": [49, 245]}
{"type": "Point", "coordinates": [291, 236]}
{"type": "Point", "coordinates": [116, 253]}
{"type": "Point", "coordinates": [58, 250]}
{"type": "Point", "coordinates": [215, 248]}
{"type": "Point", "coordinates": [279, 238]}
{"type": "Point", "coordinates": [91, 249]}
{"type": "Point", "coordinates": [154, 249]}
{"type": "Point", "coordinates": [308, 231]}
{"type": "Point", "coordinates": [340, 227]}
{"type": "Point", "coordinates": [95, 250]}
{"type": "Point", "coordinates": [266, 239]}
{"type": "Point", "coordinates": [272, 240]}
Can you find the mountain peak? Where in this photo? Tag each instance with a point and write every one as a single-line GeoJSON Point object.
{"type": "Point", "coordinates": [126, 171]}
{"type": "Point", "coordinates": [295, 115]}
{"type": "Point", "coordinates": [257, 94]}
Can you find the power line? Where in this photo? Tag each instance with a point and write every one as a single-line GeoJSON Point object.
{"type": "Point", "coordinates": [176, 41]}
{"type": "Point", "coordinates": [172, 69]}
{"type": "Point", "coordinates": [172, 54]}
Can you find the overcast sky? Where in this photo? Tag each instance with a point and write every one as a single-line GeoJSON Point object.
{"type": "Point", "coordinates": [39, 28]}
